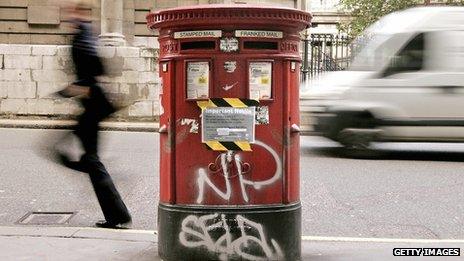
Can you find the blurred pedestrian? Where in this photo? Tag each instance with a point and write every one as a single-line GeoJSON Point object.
{"type": "Point", "coordinates": [96, 108]}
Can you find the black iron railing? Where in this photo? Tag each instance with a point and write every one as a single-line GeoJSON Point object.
{"type": "Point", "coordinates": [324, 52]}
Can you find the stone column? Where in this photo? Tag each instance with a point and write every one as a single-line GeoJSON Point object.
{"type": "Point", "coordinates": [112, 23]}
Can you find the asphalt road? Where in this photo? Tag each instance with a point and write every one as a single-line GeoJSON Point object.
{"type": "Point", "coordinates": [412, 191]}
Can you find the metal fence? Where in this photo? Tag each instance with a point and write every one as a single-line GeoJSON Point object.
{"type": "Point", "coordinates": [324, 52]}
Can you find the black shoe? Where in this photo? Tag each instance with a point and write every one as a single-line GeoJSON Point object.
{"type": "Point", "coordinates": [106, 224]}
{"type": "Point", "coordinates": [75, 165]}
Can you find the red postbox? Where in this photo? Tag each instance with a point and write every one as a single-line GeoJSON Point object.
{"type": "Point", "coordinates": [229, 135]}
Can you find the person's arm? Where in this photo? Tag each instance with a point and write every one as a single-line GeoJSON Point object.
{"type": "Point", "coordinates": [74, 90]}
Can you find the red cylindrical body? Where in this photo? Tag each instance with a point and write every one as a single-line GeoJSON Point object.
{"type": "Point", "coordinates": [217, 52]}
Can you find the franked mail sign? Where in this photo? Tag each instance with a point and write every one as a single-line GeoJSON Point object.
{"type": "Point", "coordinates": [259, 34]}
{"type": "Point", "coordinates": [228, 124]}
{"type": "Point", "coordinates": [198, 34]}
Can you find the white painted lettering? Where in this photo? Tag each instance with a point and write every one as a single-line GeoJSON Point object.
{"type": "Point", "coordinates": [195, 232]}
{"type": "Point", "coordinates": [228, 160]}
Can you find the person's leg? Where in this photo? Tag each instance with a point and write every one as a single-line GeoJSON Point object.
{"type": "Point", "coordinates": [102, 106]}
{"type": "Point", "coordinates": [111, 203]}
{"type": "Point", "coordinates": [87, 132]}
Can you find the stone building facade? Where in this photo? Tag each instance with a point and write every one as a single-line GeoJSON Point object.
{"type": "Point", "coordinates": [35, 53]}
{"type": "Point", "coordinates": [326, 16]}
{"type": "Point", "coordinates": [35, 57]}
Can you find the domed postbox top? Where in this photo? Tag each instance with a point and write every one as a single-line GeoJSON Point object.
{"type": "Point", "coordinates": [229, 17]}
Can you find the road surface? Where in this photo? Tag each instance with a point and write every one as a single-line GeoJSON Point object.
{"type": "Point", "coordinates": [413, 191]}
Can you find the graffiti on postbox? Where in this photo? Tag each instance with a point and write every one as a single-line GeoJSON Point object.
{"type": "Point", "coordinates": [213, 231]}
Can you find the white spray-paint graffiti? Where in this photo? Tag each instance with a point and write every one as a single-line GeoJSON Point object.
{"type": "Point", "coordinates": [228, 87]}
{"type": "Point", "coordinates": [197, 232]}
{"type": "Point", "coordinates": [227, 160]}
{"type": "Point", "coordinates": [193, 124]}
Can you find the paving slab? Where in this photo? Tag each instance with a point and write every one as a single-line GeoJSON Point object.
{"type": "Point", "coordinates": [65, 243]}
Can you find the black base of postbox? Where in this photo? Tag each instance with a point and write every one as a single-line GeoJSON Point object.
{"type": "Point", "coordinates": [229, 233]}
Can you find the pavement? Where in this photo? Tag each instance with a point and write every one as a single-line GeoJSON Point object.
{"type": "Point", "coordinates": [76, 243]}
{"type": "Point", "coordinates": [142, 126]}
{"type": "Point", "coordinates": [86, 243]}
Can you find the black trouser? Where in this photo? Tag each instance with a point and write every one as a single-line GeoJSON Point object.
{"type": "Point", "coordinates": [96, 108]}
{"type": "Point", "coordinates": [111, 203]}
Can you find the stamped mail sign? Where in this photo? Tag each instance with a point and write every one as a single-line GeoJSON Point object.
{"type": "Point", "coordinates": [198, 34]}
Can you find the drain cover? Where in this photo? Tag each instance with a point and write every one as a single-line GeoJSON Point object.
{"type": "Point", "coordinates": [46, 218]}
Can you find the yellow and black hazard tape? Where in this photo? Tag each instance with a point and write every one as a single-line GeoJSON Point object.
{"type": "Point", "coordinates": [228, 102]}
{"type": "Point", "coordinates": [228, 145]}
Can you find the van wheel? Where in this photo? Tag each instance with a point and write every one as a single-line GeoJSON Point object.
{"type": "Point", "coordinates": [350, 138]}
{"type": "Point", "coordinates": [356, 131]}
{"type": "Point", "coordinates": [357, 142]}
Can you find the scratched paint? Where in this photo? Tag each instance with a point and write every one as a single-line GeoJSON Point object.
{"type": "Point", "coordinates": [161, 109]}
{"type": "Point", "coordinates": [251, 242]}
{"type": "Point", "coordinates": [262, 115]}
{"type": "Point", "coordinates": [230, 66]}
{"type": "Point", "coordinates": [228, 160]}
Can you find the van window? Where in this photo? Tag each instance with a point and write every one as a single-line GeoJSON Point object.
{"type": "Point", "coordinates": [410, 58]}
{"type": "Point", "coordinates": [371, 52]}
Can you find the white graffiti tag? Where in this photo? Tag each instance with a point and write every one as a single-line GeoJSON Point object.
{"type": "Point", "coordinates": [226, 160]}
{"type": "Point", "coordinates": [250, 244]}
{"type": "Point", "coordinates": [228, 87]}
{"type": "Point", "coordinates": [193, 124]}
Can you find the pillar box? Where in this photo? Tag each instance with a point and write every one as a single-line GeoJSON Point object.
{"type": "Point", "coordinates": [229, 132]}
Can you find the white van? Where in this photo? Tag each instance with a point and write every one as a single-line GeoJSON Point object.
{"type": "Point", "coordinates": [405, 83]}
